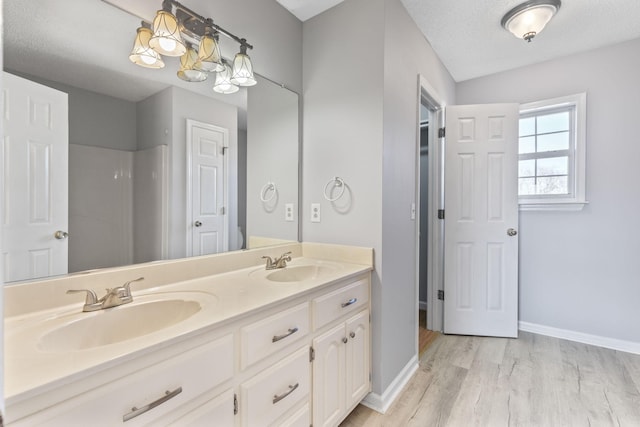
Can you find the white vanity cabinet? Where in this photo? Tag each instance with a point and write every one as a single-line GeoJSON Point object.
{"type": "Point", "coordinates": [341, 369]}
{"type": "Point", "coordinates": [302, 358]}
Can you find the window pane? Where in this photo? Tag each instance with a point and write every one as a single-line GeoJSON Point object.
{"type": "Point", "coordinates": [527, 126]}
{"type": "Point", "coordinates": [553, 166]}
{"type": "Point", "coordinates": [552, 185]}
{"type": "Point", "coordinates": [527, 145]}
{"type": "Point", "coordinates": [526, 186]}
{"type": "Point", "coordinates": [553, 122]}
{"type": "Point", "coordinates": [527, 167]}
{"type": "Point", "coordinates": [553, 142]}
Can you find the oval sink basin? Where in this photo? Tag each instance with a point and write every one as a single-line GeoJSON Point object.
{"type": "Point", "coordinates": [117, 324]}
{"type": "Point", "coordinates": [299, 273]}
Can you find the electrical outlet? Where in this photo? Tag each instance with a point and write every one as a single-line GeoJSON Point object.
{"type": "Point", "coordinates": [413, 210]}
{"type": "Point", "coordinates": [315, 212]}
{"type": "Point", "coordinates": [288, 212]}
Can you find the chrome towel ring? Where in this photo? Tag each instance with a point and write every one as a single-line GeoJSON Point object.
{"type": "Point", "coordinates": [337, 182]}
{"type": "Point", "coordinates": [268, 187]}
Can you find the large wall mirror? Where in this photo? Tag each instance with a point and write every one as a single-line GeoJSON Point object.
{"type": "Point", "coordinates": [138, 185]}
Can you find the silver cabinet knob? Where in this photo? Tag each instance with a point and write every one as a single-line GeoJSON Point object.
{"type": "Point", "coordinates": [344, 340]}
{"type": "Point", "coordinates": [198, 224]}
{"type": "Point", "coordinates": [61, 235]}
{"type": "Point", "coordinates": [511, 232]}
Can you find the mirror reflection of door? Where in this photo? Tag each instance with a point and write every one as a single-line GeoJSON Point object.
{"type": "Point", "coordinates": [207, 147]}
{"type": "Point", "coordinates": [35, 146]}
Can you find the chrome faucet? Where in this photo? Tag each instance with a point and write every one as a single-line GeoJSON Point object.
{"type": "Point", "coordinates": [114, 297]}
{"type": "Point", "coordinates": [280, 262]}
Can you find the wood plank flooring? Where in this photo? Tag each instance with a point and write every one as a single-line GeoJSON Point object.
{"type": "Point", "coordinates": [530, 381]}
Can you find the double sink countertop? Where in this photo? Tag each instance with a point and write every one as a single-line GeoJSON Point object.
{"type": "Point", "coordinates": [47, 348]}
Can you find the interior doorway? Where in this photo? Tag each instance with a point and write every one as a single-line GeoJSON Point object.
{"type": "Point", "coordinates": [429, 182]}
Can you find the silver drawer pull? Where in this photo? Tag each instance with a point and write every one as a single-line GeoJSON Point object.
{"type": "Point", "coordinates": [291, 331]}
{"type": "Point", "coordinates": [277, 398]}
{"type": "Point", "coordinates": [348, 303]}
{"type": "Point", "coordinates": [139, 411]}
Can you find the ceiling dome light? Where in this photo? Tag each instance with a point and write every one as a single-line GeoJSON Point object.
{"type": "Point", "coordinates": [223, 81]}
{"type": "Point", "coordinates": [142, 54]}
{"type": "Point", "coordinates": [528, 19]}
{"type": "Point", "coordinates": [187, 71]}
{"type": "Point", "coordinates": [242, 72]}
{"type": "Point", "coordinates": [166, 38]}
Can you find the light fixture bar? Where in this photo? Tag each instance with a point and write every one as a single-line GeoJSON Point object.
{"type": "Point", "coordinates": [205, 21]}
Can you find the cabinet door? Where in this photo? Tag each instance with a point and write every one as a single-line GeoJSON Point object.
{"type": "Point", "coordinates": [329, 377]}
{"type": "Point", "coordinates": [358, 358]}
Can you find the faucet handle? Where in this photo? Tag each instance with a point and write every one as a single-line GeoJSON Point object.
{"type": "Point", "coordinates": [270, 262]}
{"type": "Point", "coordinates": [92, 298]}
{"type": "Point", "coordinates": [127, 286]}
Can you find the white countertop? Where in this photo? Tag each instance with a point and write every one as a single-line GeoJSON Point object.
{"type": "Point", "coordinates": [30, 370]}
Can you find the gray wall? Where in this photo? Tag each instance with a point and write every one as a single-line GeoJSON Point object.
{"type": "Point", "coordinates": [579, 271]}
{"type": "Point", "coordinates": [360, 123]}
{"type": "Point", "coordinates": [272, 156]}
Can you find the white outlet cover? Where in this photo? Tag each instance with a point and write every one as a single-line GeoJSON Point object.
{"type": "Point", "coordinates": [288, 212]}
{"type": "Point", "coordinates": [315, 212]}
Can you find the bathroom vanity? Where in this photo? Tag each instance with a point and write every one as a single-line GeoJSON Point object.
{"type": "Point", "coordinates": [216, 340]}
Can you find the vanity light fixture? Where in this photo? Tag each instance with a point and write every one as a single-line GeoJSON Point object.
{"type": "Point", "coordinates": [179, 31]}
{"type": "Point", "coordinates": [528, 19]}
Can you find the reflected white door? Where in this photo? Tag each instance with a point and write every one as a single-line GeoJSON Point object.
{"type": "Point", "coordinates": [207, 227]}
{"type": "Point", "coordinates": [35, 149]}
{"type": "Point", "coordinates": [481, 220]}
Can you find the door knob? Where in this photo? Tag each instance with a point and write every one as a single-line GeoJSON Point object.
{"type": "Point", "coordinates": [511, 232]}
{"type": "Point", "coordinates": [198, 224]}
{"type": "Point", "coordinates": [61, 235]}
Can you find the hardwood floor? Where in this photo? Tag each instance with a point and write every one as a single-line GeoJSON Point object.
{"type": "Point", "coordinates": [530, 381]}
{"type": "Point", "coordinates": [425, 336]}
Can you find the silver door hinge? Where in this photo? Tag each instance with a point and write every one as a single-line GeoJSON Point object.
{"type": "Point", "coordinates": [440, 213]}
{"type": "Point", "coordinates": [441, 133]}
{"type": "Point", "coordinates": [223, 210]}
{"type": "Point", "coordinates": [441, 295]}
{"type": "Point", "coordinates": [235, 404]}
{"type": "Point", "coordinates": [224, 150]}
{"type": "Point", "coordinates": [312, 354]}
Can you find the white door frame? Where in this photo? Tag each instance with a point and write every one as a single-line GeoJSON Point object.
{"type": "Point", "coordinates": [190, 123]}
{"type": "Point", "coordinates": [435, 246]}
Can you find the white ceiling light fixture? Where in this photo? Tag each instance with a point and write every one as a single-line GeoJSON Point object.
{"type": "Point", "coordinates": [529, 18]}
{"type": "Point", "coordinates": [179, 31]}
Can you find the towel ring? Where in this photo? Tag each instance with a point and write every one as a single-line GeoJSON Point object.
{"type": "Point", "coordinates": [339, 182]}
{"type": "Point", "coordinates": [269, 186]}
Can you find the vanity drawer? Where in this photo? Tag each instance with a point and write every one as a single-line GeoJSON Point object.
{"type": "Point", "coordinates": [334, 305]}
{"type": "Point", "coordinates": [260, 339]}
{"type": "Point", "coordinates": [270, 394]}
{"type": "Point", "coordinates": [184, 377]}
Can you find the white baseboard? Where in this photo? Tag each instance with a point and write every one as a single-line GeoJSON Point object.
{"type": "Point", "coordinates": [597, 340]}
{"type": "Point", "coordinates": [382, 403]}
{"type": "Point", "coordinates": [423, 305]}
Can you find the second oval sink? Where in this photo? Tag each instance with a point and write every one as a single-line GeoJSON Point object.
{"type": "Point", "coordinates": [299, 273]}
{"type": "Point", "coordinates": [117, 324]}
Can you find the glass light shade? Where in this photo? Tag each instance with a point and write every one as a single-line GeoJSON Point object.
{"type": "Point", "coordinates": [187, 71]}
{"type": "Point", "coordinates": [166, 38]}
{"type": "Point", "coordinates": [209, 58]}
{"type": "Point", "coordinates": [223, 81]}
{"type": "Point", "coordinates": [527, 20]}
{"type": "Point", "coordinates": [142, 54]}
{"type": "Point", "coordinates": [242, 72]}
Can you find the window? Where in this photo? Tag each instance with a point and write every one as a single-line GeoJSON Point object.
{"type": "Point", "coordinates": [551, 154]}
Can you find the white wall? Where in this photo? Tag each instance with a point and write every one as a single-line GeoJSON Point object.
{"type": "Point", "coordinates": [360, 123]}
{"type": "Point", "coordinates": [579, 271]}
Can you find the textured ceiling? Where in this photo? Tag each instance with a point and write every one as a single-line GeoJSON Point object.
{"type": "Point", "coordinates": [468, 38]}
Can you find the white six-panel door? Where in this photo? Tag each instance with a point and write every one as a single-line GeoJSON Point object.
{"type": "Point", "coordinates": [208, 224]}
{"type": "Point", "coordinates": [35, 149]}
{"type": "Point", "coordinates": [481, 220]}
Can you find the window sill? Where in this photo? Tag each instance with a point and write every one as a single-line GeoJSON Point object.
{"type": "Point", "coordinates": [549, 205]}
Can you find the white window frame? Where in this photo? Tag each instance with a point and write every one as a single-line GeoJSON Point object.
{"type": "Point", "coordinates": [576, 199]}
